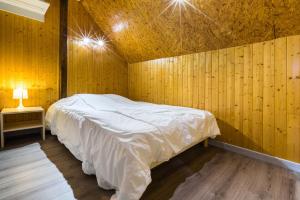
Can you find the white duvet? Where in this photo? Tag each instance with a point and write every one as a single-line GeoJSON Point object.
{"type": "Point", "coordinates": [118, 139]}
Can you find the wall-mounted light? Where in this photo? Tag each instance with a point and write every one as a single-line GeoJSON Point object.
{"type": "Point", "coordinates": [101, 43]}
{"type": "Point", "coordinates": [95, 43]}
{"type": "Point", "coordinates": [85, 41]}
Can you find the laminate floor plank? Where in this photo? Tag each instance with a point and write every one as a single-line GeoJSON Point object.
{"type": "Point", "coordinates": [199, 173]}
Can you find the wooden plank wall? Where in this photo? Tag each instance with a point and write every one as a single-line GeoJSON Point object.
{"type": "Point", "coordinates": [253, 90]}
{"type": "Point", "coordinates": [29, 57]}
{"type": "Point", "coordinates": [91, 70]}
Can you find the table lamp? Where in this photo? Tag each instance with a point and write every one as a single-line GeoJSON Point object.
{"type": "Point", "coordinates": [20, 93]}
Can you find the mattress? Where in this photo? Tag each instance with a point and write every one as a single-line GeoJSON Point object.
{"type": "Point", "coordinates": [119, 140]}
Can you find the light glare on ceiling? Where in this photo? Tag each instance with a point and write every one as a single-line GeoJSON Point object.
{"type": "Point", "coordinates": [120, 26]}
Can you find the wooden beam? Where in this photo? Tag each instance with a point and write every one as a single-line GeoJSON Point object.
{"type": "Point", "coordinates": [63, 48]}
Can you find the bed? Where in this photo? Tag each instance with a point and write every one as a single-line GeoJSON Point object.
{"type": "Point", "coordinates": [120, 140]}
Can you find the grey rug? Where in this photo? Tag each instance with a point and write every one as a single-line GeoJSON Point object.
{"type": "Point", "coordinates": [26, 173]}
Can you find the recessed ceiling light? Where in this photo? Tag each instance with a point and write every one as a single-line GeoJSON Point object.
{"type": "Point", "coordinates": [182, 2]}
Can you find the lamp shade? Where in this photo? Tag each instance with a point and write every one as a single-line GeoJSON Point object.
{"type": "Point", "coordinates": [20, 93]}
{"type": "Point", "coordinates": [25, 94]}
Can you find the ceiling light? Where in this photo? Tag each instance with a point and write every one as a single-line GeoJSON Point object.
{"type": "Point", "coordinates": [181, 2]}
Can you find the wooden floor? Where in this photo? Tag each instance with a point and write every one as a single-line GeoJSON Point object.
{"type": "Point", "coordinates": [232, 176]}
{"type": "Point", "coordinates": [172, 175]}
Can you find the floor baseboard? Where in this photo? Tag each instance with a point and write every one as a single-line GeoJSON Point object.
{"type": "Point", "coordinates": [293, 166]}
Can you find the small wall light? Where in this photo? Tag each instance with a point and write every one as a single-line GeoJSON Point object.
{"type": "Point", "coordinates": [98, 43]}
{"type": "Point", "coordinates": [101, 43]}
{"type": "Point", "coordinates": [86, 41]}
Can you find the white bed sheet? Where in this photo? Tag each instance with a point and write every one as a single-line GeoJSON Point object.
{"type": "Point", "coordinates": [118, 139]}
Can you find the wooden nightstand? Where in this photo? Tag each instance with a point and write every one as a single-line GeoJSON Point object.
{"type": "Point", "coordinates": [26, 122]}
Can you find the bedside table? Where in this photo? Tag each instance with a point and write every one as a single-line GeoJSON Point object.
{"type": "Point", "coordinates": [26, 122]}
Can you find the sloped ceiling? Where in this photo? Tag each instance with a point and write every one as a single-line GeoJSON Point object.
{"type": "Point", "coordinates": [152, 33]}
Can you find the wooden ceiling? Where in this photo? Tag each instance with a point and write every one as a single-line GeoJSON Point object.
{"type": "Point", "coordinates": [212, 25]}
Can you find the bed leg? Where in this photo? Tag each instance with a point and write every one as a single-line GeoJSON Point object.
{"type": "Point", "coordinates": [206, 143]}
